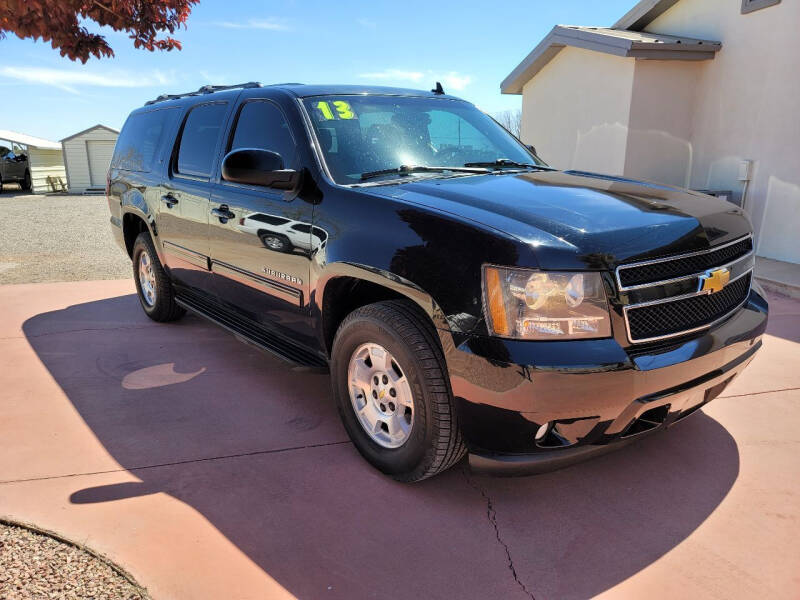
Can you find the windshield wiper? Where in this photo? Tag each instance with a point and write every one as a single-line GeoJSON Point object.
{"type": "Point", "coordinates": [505, 163]}
{"type": "Point", "coordinates": [408, 169]}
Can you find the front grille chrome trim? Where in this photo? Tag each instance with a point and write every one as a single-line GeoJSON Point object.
{"type": "Point", "coordinates": [749, 256]}
{"type": "Point", "coordinates": [655, 261]}
{"type": "Point", "coordinates": [629, 307]}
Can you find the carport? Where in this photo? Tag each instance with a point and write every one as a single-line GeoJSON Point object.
{"type": "Point", "coordinates": [45, 160]}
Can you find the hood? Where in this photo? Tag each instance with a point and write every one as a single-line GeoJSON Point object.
{"type": "Point", "coordinates": [576, 220]}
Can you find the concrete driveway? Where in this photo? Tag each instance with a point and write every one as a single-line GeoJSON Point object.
{"type": "Point", "coordinates": [211, 470]}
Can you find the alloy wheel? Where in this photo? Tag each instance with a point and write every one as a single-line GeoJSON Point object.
{"type": "Point", "coordinates": [381, 395]}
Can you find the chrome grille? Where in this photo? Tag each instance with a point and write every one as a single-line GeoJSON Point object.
{"type": "Point", "coordinates": [691, 313]}
{"type": "Point", "coordinates": [689, 264]}
{"type": "Point", "coordinates": [675, 315]}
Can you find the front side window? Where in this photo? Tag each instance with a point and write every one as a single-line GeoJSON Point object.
{"type": "Point", "coordinates": [363, 134]}
{"type": "Point", "coordinates": [199, 139]}
{"type": "Point", "coordinates": [261, 125]}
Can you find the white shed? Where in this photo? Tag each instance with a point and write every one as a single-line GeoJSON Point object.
{"type": "Point", "coordinates": [45, 160]}
{"type": "Point", "coordinates": [87, 155]}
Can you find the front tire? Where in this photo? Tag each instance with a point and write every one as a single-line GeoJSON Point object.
{"type": "Point", "coordinates": [152, 283]}
{"type": "Point", "coordinates": [390, 386]}
{"type": "Point", "coordinates": [27, 184]}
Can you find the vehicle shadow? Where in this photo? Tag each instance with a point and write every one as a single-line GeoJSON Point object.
{"type": "Point", "coordinates": [258, 450]}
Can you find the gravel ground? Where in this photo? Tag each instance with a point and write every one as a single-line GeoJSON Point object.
{"type": "Point", "coordinates": [57, 238]}
{"type": "Point", "coordinates": [36, 566]}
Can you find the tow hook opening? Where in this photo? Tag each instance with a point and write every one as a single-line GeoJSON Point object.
{"type": "Point", "coordinates": [647, 421]}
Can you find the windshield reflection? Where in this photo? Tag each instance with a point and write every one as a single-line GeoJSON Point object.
{"type": "Point", "coordinates": [371, 133]}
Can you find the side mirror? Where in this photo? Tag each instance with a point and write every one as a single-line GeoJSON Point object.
{"type": "Point", "coordinates": [254, 166]}
{"type": "Point", "coordinates": [532, 148]}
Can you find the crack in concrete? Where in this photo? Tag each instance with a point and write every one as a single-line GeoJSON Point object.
{"type": "Point", "coordinates": [179, 462]}
{"type": "Point", "coordinates": [491, 515]}
{"type": "Point", "coordinates": [46, 333]}
{"type": "Point", "coordinates": [760, 393]}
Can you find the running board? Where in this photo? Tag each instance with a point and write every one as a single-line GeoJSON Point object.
{"type": "Point", "coordinates": [251, 332]}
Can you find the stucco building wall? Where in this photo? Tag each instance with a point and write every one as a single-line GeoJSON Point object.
{"type": "Point", "coordinates": [687, 123]}
{"type": "Point", "coordinates": [574, 117]}
{"type": "Point", "coordinates": [747, 107]}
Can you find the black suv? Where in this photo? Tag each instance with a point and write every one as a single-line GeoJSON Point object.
{"type": "Point", "coordinates": [465, 296]}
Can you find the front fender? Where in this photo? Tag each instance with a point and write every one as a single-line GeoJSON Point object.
{"type": "Point", "coordinates": [386, 279]}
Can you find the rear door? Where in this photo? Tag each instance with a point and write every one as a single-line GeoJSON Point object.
{"type": "Point", "coordinates": [184, 204]}
{"type": "Point", "coordinates": [260, 258]}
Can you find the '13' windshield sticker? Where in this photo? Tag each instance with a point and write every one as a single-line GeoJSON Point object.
{"type": "Point", "coordinates": [341, 110]}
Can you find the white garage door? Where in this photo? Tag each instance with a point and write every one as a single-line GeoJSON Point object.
{"type": "Point", "coordinates": [100, 153]}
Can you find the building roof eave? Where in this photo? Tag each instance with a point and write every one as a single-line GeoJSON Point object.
{"type": "Point", "coordinates": [629, 44]}
{"type": "Point", "coordinates": [98, 126]}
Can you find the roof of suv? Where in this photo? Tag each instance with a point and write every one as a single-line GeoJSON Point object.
{"type": "Point", "coordinates": [303, 90]}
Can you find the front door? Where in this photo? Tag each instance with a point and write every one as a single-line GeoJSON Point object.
{"type": "Point", "coordinates": [260, 238]}
{"type": "Point", "coordinates": [183, 212]}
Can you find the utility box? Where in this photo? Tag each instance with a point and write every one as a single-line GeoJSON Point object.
{"type": "Point", "coordinates": [722, 194]}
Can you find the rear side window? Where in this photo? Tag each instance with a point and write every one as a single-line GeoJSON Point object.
{"type": "Point", "coordinates": [261, 125]}
{"type": "Point", "coordinates": [140, 139]}
{"type": "Point", "coordinates": [199, 139]}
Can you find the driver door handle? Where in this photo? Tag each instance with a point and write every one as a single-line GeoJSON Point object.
{"type": "Point", "coordinates": [223, 213]}
{"type": "Point", "coordinates": [169, 200]}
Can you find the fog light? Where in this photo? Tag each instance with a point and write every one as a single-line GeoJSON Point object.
{"type": "Point", "coordinates": [542, 431]}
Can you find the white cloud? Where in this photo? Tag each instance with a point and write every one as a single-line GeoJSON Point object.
{"type": "Point", "coordinates": [70, 80]}
{"type": "Point", "coordinates": [450, 80]}
{"type": "Point", "coordinates": [368, 23]}
{"type": "Point", "coordinates": [270, 24]}
{"type": "Point", "coordinates": [455, 80]}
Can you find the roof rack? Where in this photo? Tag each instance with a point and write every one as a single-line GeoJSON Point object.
{"type": "Point", "coordinates": [206, 89]}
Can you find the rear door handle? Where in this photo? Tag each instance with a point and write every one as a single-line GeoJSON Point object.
{"type": "Point", "coordinates": [223, 213]}
{"type": "Point", "coordinates": [169, 200]}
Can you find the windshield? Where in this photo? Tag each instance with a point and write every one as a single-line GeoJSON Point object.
{"type": "Point", "coordinates": [366, 134]}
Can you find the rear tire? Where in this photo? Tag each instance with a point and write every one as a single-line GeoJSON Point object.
{"type": "Point", "coordinates": [433, 442]}
{"type": "Point", "coordinates": [27, 184]}
{"type": "Point", "coordinates": [1, 184]}
{"type": "Point", "coordinates": [152, 283]}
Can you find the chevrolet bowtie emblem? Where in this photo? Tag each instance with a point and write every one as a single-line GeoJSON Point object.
{"type": "Point", "coordinates": [714, 281]}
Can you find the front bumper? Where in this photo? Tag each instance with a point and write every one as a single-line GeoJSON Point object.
{"type": "Point", "coordinates": [594, 395]}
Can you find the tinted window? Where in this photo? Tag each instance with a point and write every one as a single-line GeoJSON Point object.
{"type": "Point", "coordinates": [269, 219]}
{"type": "Point", "coordinates": [199, 140]}
{"type": "Point", "coordinates": [261, 125]}
{"type": "Point", "coordinates": [302, 227]}
{"type": "Point", "coordinates": [140, 138]}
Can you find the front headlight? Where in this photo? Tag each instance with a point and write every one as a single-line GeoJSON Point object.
{"type": "Point", "coordinates": [539, 305]}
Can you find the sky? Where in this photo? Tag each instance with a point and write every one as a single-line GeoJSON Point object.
{"type": "Point", "coordinates": [469, 46]}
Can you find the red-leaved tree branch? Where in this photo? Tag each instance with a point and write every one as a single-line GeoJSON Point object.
{"type": "Point", "coordinates": [150, 23]}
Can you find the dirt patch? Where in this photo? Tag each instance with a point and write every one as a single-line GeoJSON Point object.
{"type": "Point", "coordinates": [58, 238]}
{"type": "Point", "coordinates": [36, 564]}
